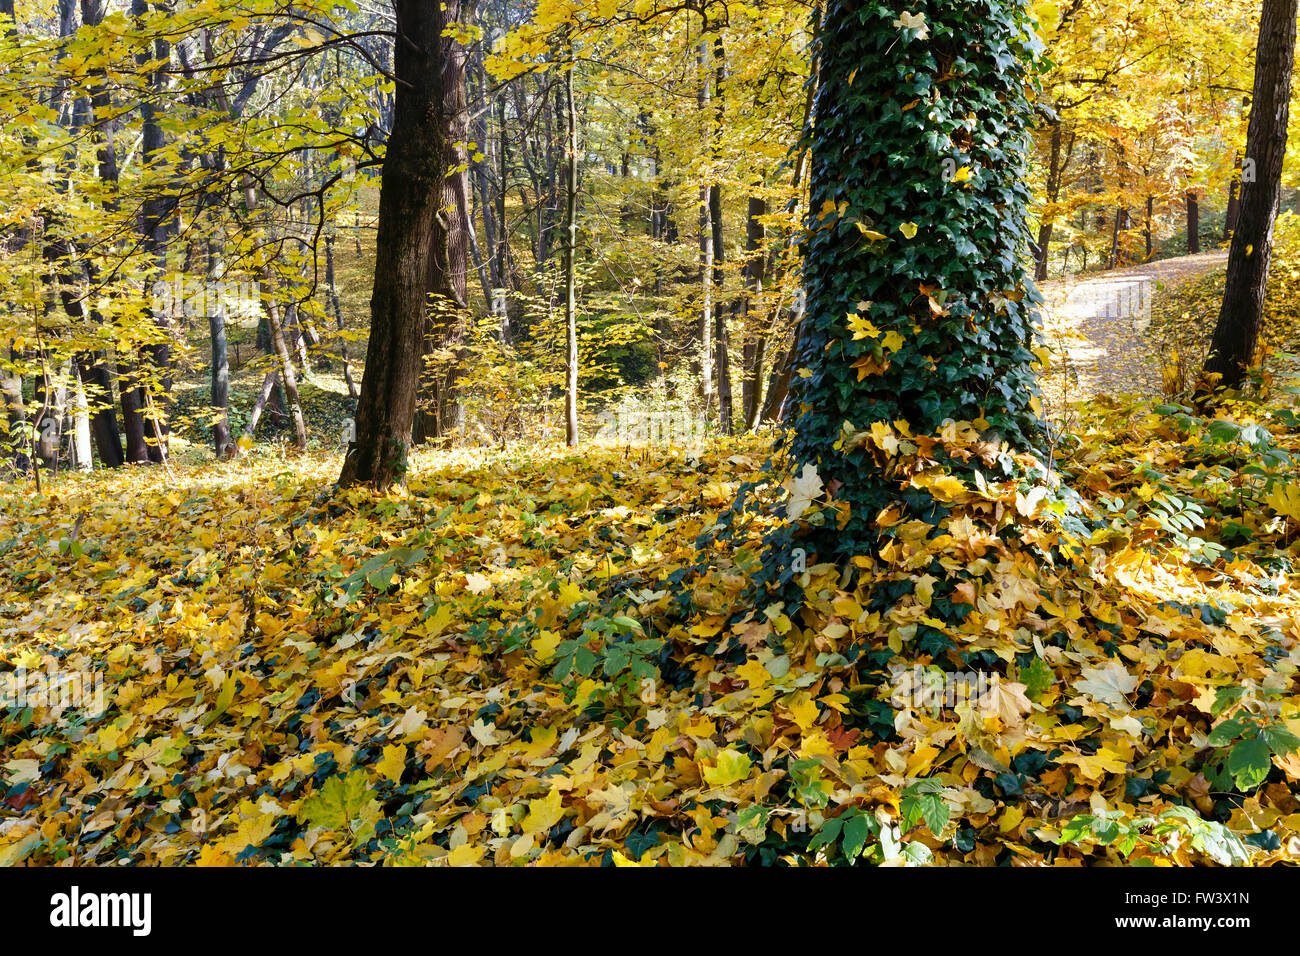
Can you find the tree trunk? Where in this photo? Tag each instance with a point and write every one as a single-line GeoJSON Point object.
{"type": "Point", "coordinates": [97, 379]}
{"type": "Point", "coordinates": [155, 211]}
{"type": "Point", "coordinates": [571, 433]}
{"type": "Point", "coordinates": [1116, 240]}
{"type": "Point", "coordinates": [259, 406]}
{"type": "Point", "coordinates": [409, 199]}
{"type": "Point", "coordinates": [1234, 200]}
{"type": "Point", "coordinates": [95, 368]}
{"type": "Point", "coordinates": [966, 358]}
{"type": "Point", "coordinates": [721, 333]}
{"type": "Point", "coordinates": [439, 411]}
{"type": "Point", "coordinates": [1043, 247]}
{"type": "Point", "coordinates": [219, 400]}
{"type": "Point", "coordinates": [288, 378]}
{"type": "Point", "coordinates": [101, 104]}
{"type": "Point", "coordinates": [706, 255]}
{"type": "Point", "coordinates": [11, 388]}
{"type": "Point", "coordinates": [1148, 227]}
{"type": "Point", "coordinates": [81, 456]}
{"type": "Point", "coordinates": [1236, 336]}
{"type": "Point", "coordinates": [1193, 223]}
{"type": "Point", "coordinates": [338, 315]}
{"type": "Point", "coordinates": [755, 348]}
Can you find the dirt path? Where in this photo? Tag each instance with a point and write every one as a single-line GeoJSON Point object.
{"type": "Point", "coordinates": [1097, 325]}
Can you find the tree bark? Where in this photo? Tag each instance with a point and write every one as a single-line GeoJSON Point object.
{"type": "Point", "coordinates": [219, 393]}
{"type": "Point", "coordinates": [81, 455]}
{"type": "Point", "coordinates": [288, 378]}
{"type": "Point", "coordinates": [755, 349]}
{"type": "Point", "coordinates": [1043, 247]}
{"type": "Point", "coordinates": [1234, 201]}
{"type": "Point", "coordinates": [97, 379]}
{"type": "Point", "coordinates": [721, 332]}
{"type": "Point", "coordinates": [409, 199]}
{"type": "Point", "coordinates": [156, 210]}
{"type": "Point", "coordinates": [438, 414]}
{"type": "Point", "coordinates": [571, 433]}
{"type": "Point", "coordinates": [337, 308]}
{"type": "Point", "coordinates": [1236, 336]}
{"type": "Point", "coordinates": [706, 254]}
{"type": "Point", "coordinates": [101, 104]}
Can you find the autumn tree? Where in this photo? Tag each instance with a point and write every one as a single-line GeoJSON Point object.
{"type": "Point", "coordinates": [1236, 336]}
{"type": "Point", "coordinates": [917, 311]}
{"type": "Point", "coordinates": [410, 199]}
{"type": "Point", "coordinates": [447, 325]}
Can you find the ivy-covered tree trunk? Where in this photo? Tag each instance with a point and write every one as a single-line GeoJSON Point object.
{"type": "Point", "coordinates": [919, 311]}
{"type": "Point", "coordinates": [1236, 336]}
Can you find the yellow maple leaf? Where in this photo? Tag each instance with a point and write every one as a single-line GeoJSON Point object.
{"type": "Point", "coordinates": [805, 714]}
{"type": "Point", "coordinates": [543, 813]}
{"type": "Point", "coordinates": [731, 766]}
{"type": "Point", "coordinates": [621, 860]}
{"type": "Point", "coordinates": [465, 855]}
{"type": "Point", "coordinates": [1092, 766]}
{"type": "Point", "coordinates": [1285, 500]}
{"type": "Point", "coordinates": [393, 763]}
{"type": "Point", "coordinates": [753, 673]}
{"type": "Point", "coordinates": [862, 328]}
{"type": "Point", "coordinates": [213, 855]}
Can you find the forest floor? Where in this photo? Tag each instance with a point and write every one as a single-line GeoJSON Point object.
{"type": "Point", "coordinates": [524, 657]}
{"type": "Point", "coordinates": [530, 656]}
{"type": "Point", "coordinates": [1099, 326]}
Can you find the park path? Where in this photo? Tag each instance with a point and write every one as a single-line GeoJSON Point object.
{"type": "Point", "coordinates": [1098, 327]}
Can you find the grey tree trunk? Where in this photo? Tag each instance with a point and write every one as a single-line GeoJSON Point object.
{"type": "Point", "coordinates": [571, 433]}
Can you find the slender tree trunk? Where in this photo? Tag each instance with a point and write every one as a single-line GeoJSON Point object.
{"type": "Point", "coordinates": [706, 255]}
{"type": "Point", "coordinates": [156, 210]}
{"type": "Point", "coordinates": [778, 386]}
{"type": "Point", "coordinates": [101, 104]}
{"type": "Point", "coordinates": [1236, 336]}
{"type": "Point", "coordinates": [219, 400]}
{"type": "Point", "coordinates": [1193, 223]}
{"type": "Point", "coordinates": [1234, 200]}
{"type": "Point", "coordinates": [755, 349]}
{"type": "Point", "coordinates": [95, 368]}
{"type": "Point", "coordinates": [1116, 244]}
{"type": "Point", "coordinates": [721, 332]}
{"type": "Point", "coordinates": [338, 315]}
{"type": "Point", "coordinates": [288, 377]}
{"type": "Point", "coordinates": [1043, 247]}
{"type": "Point", "coordinates": [11, 389]}
{"type": "Point", "coordinates": [81, 456]}
{"type": "Point", "coordinates": [97, 380]}
{"type": "Point", "coordinates": [259, 406]}
{"type": "Point", "coordinates": [1148, 228]}
{"type": "Point", "coordinates": [571, 433]}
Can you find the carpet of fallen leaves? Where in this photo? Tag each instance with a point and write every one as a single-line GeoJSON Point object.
{"type": "Point", "coordinates": [524, 659]}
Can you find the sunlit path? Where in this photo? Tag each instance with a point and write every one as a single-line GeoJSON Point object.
{"type": "Point", "coordinates": [1098, 326]}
